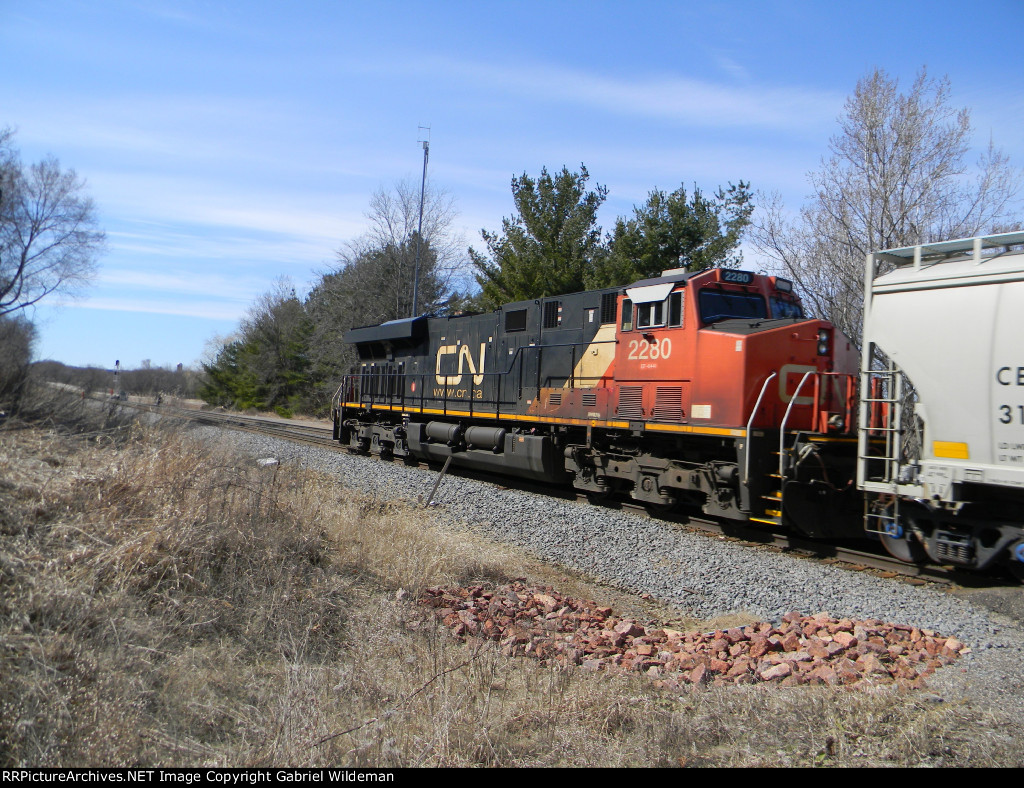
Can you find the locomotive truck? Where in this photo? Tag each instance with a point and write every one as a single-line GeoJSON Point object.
{"type": "Point", "coordinates": [713, 390]}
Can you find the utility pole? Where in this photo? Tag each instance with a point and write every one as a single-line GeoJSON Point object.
{"type": "Point", "coordinates": [419, 232]}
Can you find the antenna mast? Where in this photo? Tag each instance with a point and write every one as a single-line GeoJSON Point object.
{"type": "Point", "coordinates": [419, 232]}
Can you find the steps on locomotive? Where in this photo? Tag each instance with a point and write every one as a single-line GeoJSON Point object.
{"type": "Point", "coordinates": [772, 506]}
{"type": "Point", "coordinates": [772, 500]}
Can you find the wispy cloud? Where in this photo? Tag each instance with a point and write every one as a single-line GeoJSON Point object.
{"type": "Point", "coordinates": [668, 96]}
{"type": "Point", "coordinates": [174, 211]}
{"type": "Point", "coordinates": [179, 127]}
{"type": "Point", "coordinates": [210, 309]}
{"type": "Point", "coordinates": [730, 66]}
{"type": "Point", "coordinates": [172, 12]}
{"type": "Point", "coordinates": [172, 283]}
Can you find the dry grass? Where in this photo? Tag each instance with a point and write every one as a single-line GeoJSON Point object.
{"type": "Point", "coordinates": [166, 603]}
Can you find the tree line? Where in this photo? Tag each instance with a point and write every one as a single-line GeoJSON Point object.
{"type": "Point", "coordinates": [147, 380]}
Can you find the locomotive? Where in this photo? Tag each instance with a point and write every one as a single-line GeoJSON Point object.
{"type": "Point", "coordinates": [713, 390]}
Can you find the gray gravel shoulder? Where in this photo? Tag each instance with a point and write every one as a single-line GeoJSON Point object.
{"type": "Point", "coordinates": [704, 576]}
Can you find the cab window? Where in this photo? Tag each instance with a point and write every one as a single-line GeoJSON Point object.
{"type": "Point", "coordinates": [783, 308]}
{"type": "Point", "coordinates": [718, 305]}
{"type": "Point", "coordinates": [650, 315]}
{"type": "Point", "coordinates": [675, 310]}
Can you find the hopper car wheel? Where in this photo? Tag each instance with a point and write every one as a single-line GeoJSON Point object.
{"type": "Point", "coordinates": [909, 551]}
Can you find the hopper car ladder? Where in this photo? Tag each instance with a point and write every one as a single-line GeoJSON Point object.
{"type": "Point", "coordinates": [879, 434]}
{"type": "Point", "coordinates": [881, 425]}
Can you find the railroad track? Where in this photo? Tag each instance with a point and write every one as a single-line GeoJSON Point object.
{"type": "Point", "coordinates": [264, 425]}
{"type": "Point", "coordinates": [857, 558]}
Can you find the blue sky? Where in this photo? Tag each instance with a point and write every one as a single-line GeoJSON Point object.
{"type": "Point", "coordinates": [228, 144]}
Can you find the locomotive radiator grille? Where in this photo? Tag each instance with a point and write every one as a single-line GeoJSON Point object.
{"type": "Point", "coordinates": [609, 307]}
{"type": "Point", "coordinates": [590, 400]}
{"type": "Point", "coordinates": [631, 402]}
{"type": "Point", "coordinates": [668, 403]}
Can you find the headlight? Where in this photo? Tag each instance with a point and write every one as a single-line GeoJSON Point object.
{"type": "Point", "coordinates": [824, 341]}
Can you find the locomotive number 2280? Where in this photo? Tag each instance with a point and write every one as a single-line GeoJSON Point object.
{"type": "Point", "coordinates": [641, 350]}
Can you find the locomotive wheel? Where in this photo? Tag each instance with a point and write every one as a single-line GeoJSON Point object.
{"type": "Point", "coordinates": [605, 498]}
{"type": "Point", "coordinates": [657, 510]}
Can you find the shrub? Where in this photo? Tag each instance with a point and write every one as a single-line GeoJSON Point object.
{"type": "Point", "coordinates": [16, 338]}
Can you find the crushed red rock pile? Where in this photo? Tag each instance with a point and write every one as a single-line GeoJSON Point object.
{"type": "Point", "coordinates": [817, 649]}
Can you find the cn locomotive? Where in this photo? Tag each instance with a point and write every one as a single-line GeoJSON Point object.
{"type": "Point", "coordinates": [713, 390]}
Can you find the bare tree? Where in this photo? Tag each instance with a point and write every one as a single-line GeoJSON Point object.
{"type": "Point", "coordinates": [896, 175]}
{"type": "Point", "coordinates": [49, 240]}
{"type": "Point", "coordinates": [391, 241]}
{"type": "Point", "coordinates": [373, 279]}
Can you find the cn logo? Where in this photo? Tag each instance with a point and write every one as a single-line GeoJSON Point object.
{"type": "Point", "coordinates": [465, 361]}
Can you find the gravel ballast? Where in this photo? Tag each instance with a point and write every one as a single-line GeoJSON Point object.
{"type": "Point", "coordinates": [702, 575]}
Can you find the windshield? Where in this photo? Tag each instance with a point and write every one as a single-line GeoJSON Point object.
{"type": "Point", "coordinates": [718, 305]}
{"type": "Point", "coordinates": [783, 308]}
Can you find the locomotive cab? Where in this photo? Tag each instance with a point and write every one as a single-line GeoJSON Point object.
{"type": "Point", "coordinates": [724, 366]}
{"type": "Point", "coordinates": [708, 339]}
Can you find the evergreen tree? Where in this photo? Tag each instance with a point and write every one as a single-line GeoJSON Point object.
{"type": "Point", "coordinates": [552, 245]}
{"type": "Point", "coordinates": [677, 231]}
{"type": "Point", "coordinates": [268, 366]}
{"type": "Point", "coordinates": [229, 381]}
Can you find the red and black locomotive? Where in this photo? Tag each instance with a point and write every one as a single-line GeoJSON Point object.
{"type": "Point", "coordinates": [706, 389]}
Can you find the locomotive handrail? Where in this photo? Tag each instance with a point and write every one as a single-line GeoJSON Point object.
{"type": "Point", "coordinates": [750, 424]}
{"type": "Point", "coordinates": [785, 418]}
{"type": "Point", "coordinates": [950, 251]}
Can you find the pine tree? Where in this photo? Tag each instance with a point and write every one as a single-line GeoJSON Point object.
{"type": "Point", "coordinates": [551, 246]}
